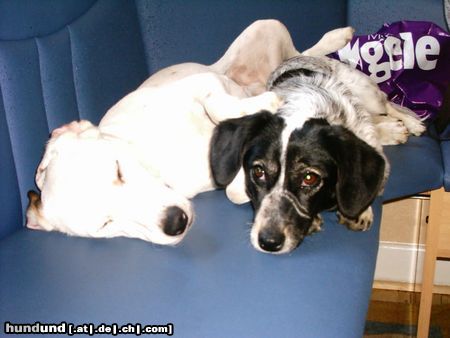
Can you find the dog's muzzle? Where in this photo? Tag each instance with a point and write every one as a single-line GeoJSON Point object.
{"type": "Point", "coordinates": [280, 224]}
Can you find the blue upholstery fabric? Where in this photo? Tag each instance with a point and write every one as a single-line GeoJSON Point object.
{"type": "Point", "coordinates": [61, 61]}
{"type": "Point", "coordinates": [214, 284]}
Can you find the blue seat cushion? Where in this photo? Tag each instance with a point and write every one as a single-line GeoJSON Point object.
{"type": "Point", "coordinates": [416, 167]}
{"type": "Point", "coordinates": [214, 284]}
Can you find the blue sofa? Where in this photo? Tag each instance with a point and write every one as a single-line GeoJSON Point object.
{"type": "Point", "coordinates": [72, 59]}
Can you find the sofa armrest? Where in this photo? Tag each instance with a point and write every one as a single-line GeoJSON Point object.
{"type": "Point", "coordinates": [441, 132]}
{"type": "Point", "coordinates": [416, 166]}
{"type": "Point", "coordinates": [445, 148]}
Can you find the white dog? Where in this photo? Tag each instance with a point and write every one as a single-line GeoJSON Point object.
{"type": "Point", "coordinates": [134, 174]}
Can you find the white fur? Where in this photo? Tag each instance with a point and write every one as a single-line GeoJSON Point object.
{"type": "Point", "coordinates": [150, 151]}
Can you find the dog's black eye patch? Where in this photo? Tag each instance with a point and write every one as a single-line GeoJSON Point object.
{"type": "Point", "coordinates": [233, 138]}
{"type": "Point", "coordinates": [261, 163]}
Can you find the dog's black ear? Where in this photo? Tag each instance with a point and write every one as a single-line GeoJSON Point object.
{"type": "Point", "coordinates": [361, 171]}
{"type": "Point", "coordinates": [229, 142]}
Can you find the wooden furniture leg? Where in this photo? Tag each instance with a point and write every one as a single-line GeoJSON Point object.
{"type": "Point", "coordinates": [435, 247]}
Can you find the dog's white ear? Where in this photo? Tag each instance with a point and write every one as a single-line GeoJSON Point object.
{"type": "Point", "coordinates": [49, 153]}
{"type": "Point", "coordinates": [236, 189]}
{"type": "Point", "coordinates": [73, 128]}
{"type": "Point", "coordinates": [34, 220]}
{"type": "Point", "coordinates": [41, 170]}
{"type": "Point", "coordinates": [255, 53]}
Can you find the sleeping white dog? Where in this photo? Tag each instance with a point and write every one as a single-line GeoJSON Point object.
{"type": "Point", "coordinates": [134, 174]}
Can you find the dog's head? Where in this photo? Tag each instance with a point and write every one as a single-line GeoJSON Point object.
{"type": "Point", "coordinates": [291, 175]}
{"type": "Point", "coordinates": [95, 187]}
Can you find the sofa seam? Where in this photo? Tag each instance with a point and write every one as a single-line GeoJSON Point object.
{"type": "Point", "coordinates": [60, 28]}
{"type": "Point", "coordinates": [14, 160]}
{"type": "Point", "coordinates": [42, 84]}
{"type": "Point", "coordinates": [75, 87]}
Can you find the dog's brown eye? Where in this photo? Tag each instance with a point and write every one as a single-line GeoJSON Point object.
{"type": "Point", "coordinates": [310, 179]}
{"type": "Point", "coordinates": [258, 172]}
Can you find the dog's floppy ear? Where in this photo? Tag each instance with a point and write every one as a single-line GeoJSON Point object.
{"type": "Point", "coordinates": [34, 219]}
{"type": "Point", "coordinates": [228, 144]}
{"type": "Point", "coordinates": [361, 173]}
{"type": "Point", "coordinates": [71, 129]}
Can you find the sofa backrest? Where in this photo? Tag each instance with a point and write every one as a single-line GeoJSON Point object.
{"type": "Point", "coordinates": [65, 60]}
{"type": "Point", "coordinates": [368, 16]}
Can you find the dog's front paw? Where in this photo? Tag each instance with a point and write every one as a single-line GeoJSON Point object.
{"type": "Point", "coordinates": [270, 101]}
{"type": "Point", "coordinates": [415, 126]}
{"type": "Point", "coordinates": [410, 120]}
{"type": "Point", "coordinates": [316, 225]}
{"type": "Point", "coordinates": [391, 131]}
{"type": "Point", "coordinates": [362, 223]}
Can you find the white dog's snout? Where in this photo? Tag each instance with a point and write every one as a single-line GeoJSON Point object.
{"type": "Point", "coordinates": [175, 221]}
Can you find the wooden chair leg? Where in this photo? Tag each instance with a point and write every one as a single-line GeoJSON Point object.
{"type": "Point", "coordinates": [432, 241]}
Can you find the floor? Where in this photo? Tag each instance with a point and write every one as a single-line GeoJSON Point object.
{"type": "Point", "coordinates": [397, 312]}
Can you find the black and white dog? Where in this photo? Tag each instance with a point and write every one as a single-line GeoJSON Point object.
{"type": "Point", "coordinates": [321, 151]}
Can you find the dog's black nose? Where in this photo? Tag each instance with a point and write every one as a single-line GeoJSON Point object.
{"type": "Point", "coordinates": [270, 240]}
{"type": "Point", "coordinates": [175, 221]}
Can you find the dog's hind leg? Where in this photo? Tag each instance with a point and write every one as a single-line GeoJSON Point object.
{"type": "Point", "coordinates": [255, 54]}
{"type": "Point", "coordinates": [331, 42]}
